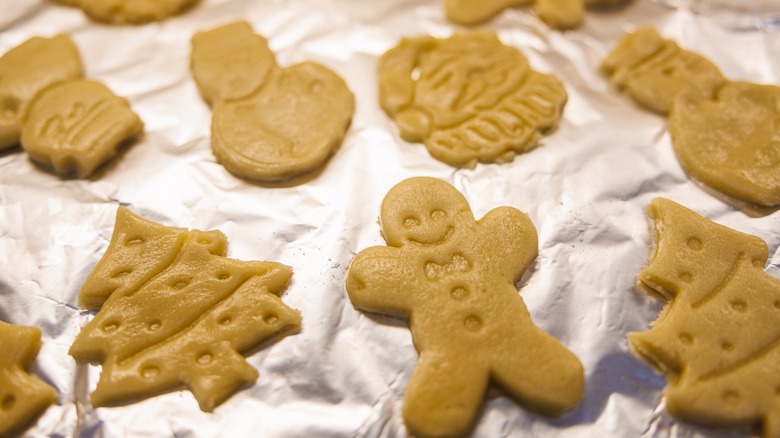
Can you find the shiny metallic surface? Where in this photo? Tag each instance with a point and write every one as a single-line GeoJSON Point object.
{"type": "Point", "coordinates": [585, 189]}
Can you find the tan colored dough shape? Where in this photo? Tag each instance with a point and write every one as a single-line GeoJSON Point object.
{"type": "Point", "coordinates": [269, 123]}
{"type": "Point", "coordinates": [475, 100]}
{"type": "Point", "coordinates": [454, 278]}
{"type": "Point", "coordinates": [718, 339]}
{"type": "Point", "coordinates": [560, 14]}
{"type": "Point", "coordinates": [22, 395]}
{"type": "Point", "coordinates": [25, 71]}
{"type": "Point", "coordinates": [175, 311]}
{"type": "Point", "coordinates": [732, 142]}
{"type": "Point", "coordinates": [74, 127]}
{"type": "Point", "coordinates": [130, 11]}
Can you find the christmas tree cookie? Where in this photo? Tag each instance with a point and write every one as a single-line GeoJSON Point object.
{"type": "Point", "coordinates": [175, 311]}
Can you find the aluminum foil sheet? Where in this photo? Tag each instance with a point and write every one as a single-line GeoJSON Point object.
{"type": "Point", "coordinates": [586, 189]}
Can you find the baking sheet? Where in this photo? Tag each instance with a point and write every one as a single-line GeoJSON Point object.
{"type": "Point", "coordinates": [343, 375]}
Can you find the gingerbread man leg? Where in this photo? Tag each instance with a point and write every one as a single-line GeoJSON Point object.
{"type": "Point", "coordinates": [444, 394]}
{"type": "Point", "coordinates": [542, 373]}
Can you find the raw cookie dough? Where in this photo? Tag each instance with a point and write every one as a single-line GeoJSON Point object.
{"type": "Point", "coordinates": [22, 395]}
{"type": "Point", "coordinates": [73, 127]}
{"type": "Point", "coordinates": [269, 123]}
{"type": "Point", "coordinates": [724, 133]}
{"type": "Point", "coordinates": [25, 71]}
{"type": "Point", "coordinates": [175, 311]}
{"type": "Point", "coordinates": [130, 11]}
{"type": "Point", "coordinates": [454, 278]}
{"type": "Point", "coordinates": [560, 14]}
{"type": "Point", "coordinates": [475, 100]}
{"type": "Point", "coordinates": [718, 339]}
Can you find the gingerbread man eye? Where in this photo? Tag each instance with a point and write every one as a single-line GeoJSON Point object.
{"type": "Point", "coordinates": [438, 214]}
{"type": "Point", "coordinates": [411, 222]}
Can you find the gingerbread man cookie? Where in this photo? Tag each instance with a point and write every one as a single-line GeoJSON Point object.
{"type": "Point", "coordinates": [130, 11]}
{"type": "Point", "coordinates": [453, 278]}
{"type": "Point", "coordinates": [724, 133]}
{"type": "Point", "coordinates": [475, 100]}
{"type": "Point", "coordinates": [269, 123]}
{"type": "Point", "coordinates": [560, 14]}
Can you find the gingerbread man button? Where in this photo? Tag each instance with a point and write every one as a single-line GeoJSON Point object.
{"type": "Point", "coordinates": [454, 277]}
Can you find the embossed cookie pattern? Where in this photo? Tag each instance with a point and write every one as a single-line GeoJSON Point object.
{"type": "Point", "coordinates": [724, 133]}
{"type": "Point", "coordinates": [130, 11]}
{"type": "Point", "coordinates": [22, 395]}
{"type": "Point", "coordinates": [269, 123]}
{"type": "Point", "coordinates": [718, 339]}
{"type": "Point", "coordinates": [453, 278]}
{"type": "Point", "coordinates": [560, 14]}
{"type": "Point", "coordinates": [68, 125]}
{"type": "Point", "coordinates": [175, 311]}
{"type": "Point", "coordinates": [475, 100]}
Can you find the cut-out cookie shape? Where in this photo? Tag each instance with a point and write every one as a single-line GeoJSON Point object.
{"type": "Point", "coordinates": [724, 133]}
{"type": "Point", "coordinates": [269, 123]}
{"type": "Point", "coordinates": [475, 100]}
{"type": "Point", "coordinates": [718, 340]}
{"type": "Point", "coordinates": [175, 311]}
{"type": "Point", "coordinates": [453, 278]}
{"type": "Point", "coordinates": [73, 127]}
{"type": "Point", "coordinates": [130, 11]}
{"type": "Point", "coordinates": [25, 71]}
{"type": "Point", "coordinates": [22, 395]}
{"type": "Point", "coordinates": [560, 14]}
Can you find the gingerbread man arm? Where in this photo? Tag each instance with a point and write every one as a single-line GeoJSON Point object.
{"type": "Point", "coordinates": [380, 281]}
{"type": "Point", "coordinates": [511, 239]}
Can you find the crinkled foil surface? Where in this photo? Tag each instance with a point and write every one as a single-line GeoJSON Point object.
{"type": "Point", "coordinates": [586, 189]}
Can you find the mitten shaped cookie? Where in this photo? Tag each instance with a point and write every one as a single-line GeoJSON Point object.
{"type": "Point", "coordinates": [130, 11]}
{"type": "Point", "coordinates": [175, 311]}
{"type": "Point", "coordinates": [453, 278]}
{"type": "Point", "coordinates": [724, 133]}
{"type": "Point", "coordinates": [22, 395]}
{"type": "Point", "coordinates": [475, 100]}
{"type": "Point", "coordinates": [269, 123]}
{"type": "Point", "coordinates": [718, 339]}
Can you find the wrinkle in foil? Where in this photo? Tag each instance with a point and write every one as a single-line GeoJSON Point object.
{"type": "Point", "coordinates": [585, 189]}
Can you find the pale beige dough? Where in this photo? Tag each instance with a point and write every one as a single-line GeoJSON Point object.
{"type": "Point", "coordinates": [560, 14]}
{"type": "Point", "coordinates": [718, 339]}
{"type": "Point", "coordinates": [475, 100]}
{"type": "Point", "coordinates": [22, 395]}
{"type": "Point", "coordinates": [25, 71]}
{"type": "Point", "coordinates": [175, 311]}
{"type": "Point", "coordinates": [454, 279]}
{"type": "Point", "coordinates": [74, 127]}
{"type": "Point", "coordinates": [269, 123]}
{"type": "Point", "coordinates": [130, 11]}
{"type": "Point", "coordinates": [724, 133]}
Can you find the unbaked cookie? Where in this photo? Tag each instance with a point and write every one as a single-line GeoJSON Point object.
{"type": "Point", "coordinates": [75, 126]}
{"type": "Point", "coordinates": [175, 311]}
{"type": "Point", "coordinates": [269, 123]}
{"type": "Point", "coordinates": [454, 278]}
{"type": "Point", "coordinates": [469, 97]}
{"type": "Point", "coordinates": [724, 133]}
{"type": "Point", "coordinates": [718, 339]}
{"type": "Point", "coordinates": [25, 71]}
{"type": "Point", "coordinates": [560, 14]}
{"type": "Point", "coordinates": [130, 11]}
{"type": "Point", "coordinates": [22, 395]}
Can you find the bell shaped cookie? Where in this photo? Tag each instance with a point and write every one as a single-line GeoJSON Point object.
{"type": "Point", "coordinates": [174, 311]}
{"type": "Point", "coordinates": [718, 339]}
{"type": "Point", "coordinates": [474, 100]}
{"type": "Point", "coordinates": [725, 134]}
{"type": "Point", "coordinates": [453, 278]}
{"type": "Point", "coordinates": [130, 11]}
{"type": "Point", "coordinates": [25, 71]}
{"type": "Point", "coordinates": [269, 123]}
{"type": "Point", "coordinates": [74, 127]}
{"type": "Point", "coordinates": [22, 395]}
